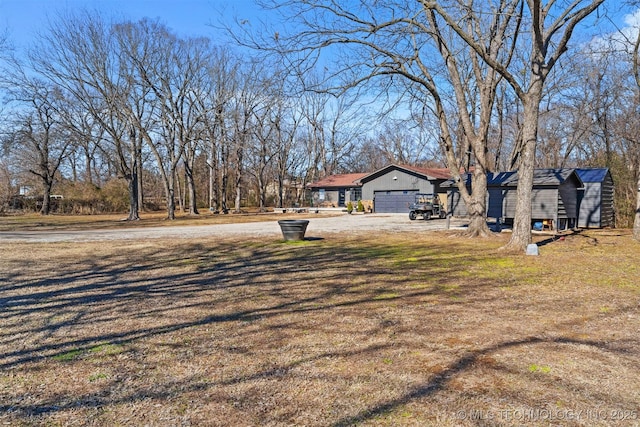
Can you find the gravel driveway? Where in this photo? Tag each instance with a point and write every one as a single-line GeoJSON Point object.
{"type": "Point", "coordinates": [369, 223]}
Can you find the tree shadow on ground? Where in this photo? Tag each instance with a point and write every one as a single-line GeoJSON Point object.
{"type": "Point", "coordinates": [463, 364]}
{"type": "Point", "coordinates": [90, 290]}
{"type": "Point", "coordinates": [128, 298]}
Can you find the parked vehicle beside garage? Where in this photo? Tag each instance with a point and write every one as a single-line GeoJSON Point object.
{"type": "Point", "coordinates": [426, 205]}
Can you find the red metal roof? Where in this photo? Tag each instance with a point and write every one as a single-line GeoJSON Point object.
{"type": "Point", "coordinates": [353, 179]}
{"type": "Point", "coordinates": [438, 173]}
{"type": "Point", "coordinates": [343, 180]}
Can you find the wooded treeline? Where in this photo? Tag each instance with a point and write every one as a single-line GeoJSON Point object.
{"type": "Point", "coordinates": [129, 115]}
{"type": "Point", "coordinates": [125, 115]}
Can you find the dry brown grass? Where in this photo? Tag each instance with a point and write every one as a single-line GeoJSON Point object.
{"type": "Point", "coordinates": [33, 222]}
{"type": "Point", "coordinates": [343, 330]}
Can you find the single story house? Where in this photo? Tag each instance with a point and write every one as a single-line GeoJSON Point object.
{"type": "Point", "coordinates": [336, 190]}
{"type": "Point", "coordinates": [596, 198]}
{"type": "Point", "coordinates": [388, 190]}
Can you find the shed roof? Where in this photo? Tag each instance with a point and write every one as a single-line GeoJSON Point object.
{"type": "Point", "coordinates": [338, 181]}
{"type": "Point", "coordinates": [592, 174]}
{"type": "Point", "coordinates": [499, 178]}
{"type": "Point", "coordinates": [540, 177]}
{"type": "Point", "coordinates": [493, 178]}
{"type": "Point", "coordinates": [510, 179]}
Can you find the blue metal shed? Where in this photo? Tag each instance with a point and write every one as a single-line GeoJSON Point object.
{"type": "Point", "coordinates": [554, 196]}
{"type": "Point", "coordinates": [595, 198]}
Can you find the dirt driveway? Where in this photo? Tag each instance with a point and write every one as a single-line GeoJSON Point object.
{"type": "Point", "coordinates": [370, 223]}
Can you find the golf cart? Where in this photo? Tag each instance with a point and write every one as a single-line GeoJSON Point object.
{"type": "Point", "coordinates": [427, 205]}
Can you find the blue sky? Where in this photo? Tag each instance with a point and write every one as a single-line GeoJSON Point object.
{"type": "Point", "coordinates": [23, 18]}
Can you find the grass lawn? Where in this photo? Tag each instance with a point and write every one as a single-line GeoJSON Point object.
{"type": "Point", "coordinates": [345, 330]}
{"type": "Point", "coordinates": [35, 222]}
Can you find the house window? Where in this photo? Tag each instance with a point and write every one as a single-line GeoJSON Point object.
{"type": "Point", "coordinates": [321, 194]}
{"type": "Point", "coordinates": [356, 194]}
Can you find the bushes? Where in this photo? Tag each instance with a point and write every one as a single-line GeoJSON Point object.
{"type": "Point", "coordinates": [88, 199]}
{"type": "Point", "coordinates": [359, 207]}
{"type": "Point", "coordinates": [349, 207]}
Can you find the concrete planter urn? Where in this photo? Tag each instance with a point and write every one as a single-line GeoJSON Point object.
{"type": "Point", "coordinates": [293, 229]}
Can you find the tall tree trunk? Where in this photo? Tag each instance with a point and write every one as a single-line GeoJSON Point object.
{"type": "Point", "coordinates": [214, 184]}
{"type": "Point", "coordinates": [134, 209]}
{"type": "Point", "coordinates": [139, 175]}
{"type": "Point", "coordinates": [224, 177]}
{"type": "Point", "coordinates": [238, 197]}
{"type": "Point", "coordinates": [169, 190]}
{"type": "Point", "coordinates": [46, 198]}
{"type": "Point", "coordinates": [521, 235]}
{"type": "Point", "coordinates": [178, 185]}
{"type": "Point", "coordinates": [238, 180]}
{"type": "Point", "coordinates": [280, 191]}
{"type": "Point", "coordinates": [191, 189]}
{"type": "Point", "coordinates": [223, 191]}
{"type": "Point", "coordinates": [131, 175]}
{"type": "Point", "coordinates": [477, 205]}
{"type": "Point", "coordinates": [88, 172]}
{"type": "Point", "coordinates": [74, 169]}
{"type": "Point", "coordinates": [636, 221]}
{"type": "Point", "coordinates": [262, 197]}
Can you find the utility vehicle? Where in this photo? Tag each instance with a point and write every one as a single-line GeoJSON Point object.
{"type": "Point", "coordinates": [427, 205]}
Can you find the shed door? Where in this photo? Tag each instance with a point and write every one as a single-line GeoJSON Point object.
{"type": "Point", "coordinates": [393, 201]}
{"type": "Point", "coordinates": [494, 204]}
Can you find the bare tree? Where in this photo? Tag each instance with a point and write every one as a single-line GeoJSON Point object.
{"type": "Point", "coordinates": [196, 112]}
{"type": "Point", "coordinates": [40, 140]}
{"type": "Point", "coordinates": [4, 45]}
{"type": "Point", "coordinates": [7, 191]}
{"type": "Point", "coordinates": [246, 100]}
{"type": "Point", "coordinates": [330, 125]}
{"type": "Point", "coordinates": [367, 155]}
{"type": "Point", "coordinates": [636, 74]}
{"type": "Point", "coordinates": [402, 142]}
{"type": "Point", "coordinates": [223, 74]}
{"type": "Point", "coordinates": [285, 159]}
{"type": "Point", "coordinates": [81, 55]}
{"type": "Point", "coordinates": [549, 27]}
{"type": "Point", "coordinates": [406, 40]}
{"type": "Point", "coordinates": [169, 69]}
{"type": "Point", "coordinates": [276, 126]}
{"type": "Point", "coordinates": [86, 148]}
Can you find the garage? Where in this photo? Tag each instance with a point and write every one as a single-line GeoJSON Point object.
{"type": "Point", "coordinates": [393, 187]}
{"type": "Point", "coordinates": [393, 201]}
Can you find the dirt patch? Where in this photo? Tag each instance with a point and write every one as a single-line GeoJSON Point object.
{"type": "Point", "coordinates": [340, 330]}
